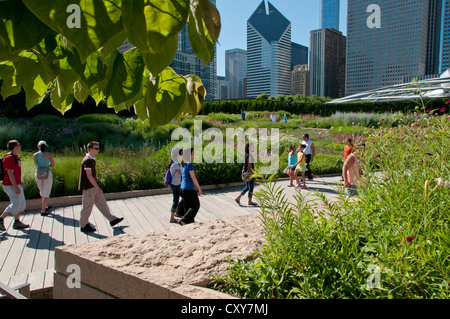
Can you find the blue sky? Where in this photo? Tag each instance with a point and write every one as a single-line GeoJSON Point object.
{"type": "Point", "coordinates": [303, 14]}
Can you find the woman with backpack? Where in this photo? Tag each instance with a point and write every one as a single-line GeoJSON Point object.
{"type": "Point", "coordinates": [43, 160]}
{"type": "Point", "coordinates": [249, 185]}
{"type": "Point", "coordinates": [175, 182]}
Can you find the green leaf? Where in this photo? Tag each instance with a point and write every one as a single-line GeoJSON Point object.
{"type": "Point", "coordinates": [19, 29]}
{"type": "Point", "coordinates": [165, 97]}
{"type": "Point", "coordinates": [124, 76]}
{"type": "Point", "coordinates": [157, 62]}
{"type": "Point", "coordinates": [211, 17]}
{"type": "Point", "coordinates": [201, 42]}
{"type": "Point", "coordinates": [8, 88]}
{"type": "Point", "coordinates": [99, 21]}
{"type": "Point", "coordinates": [196, 93]}
{"type": "Point", "coordinates": [151, 23]}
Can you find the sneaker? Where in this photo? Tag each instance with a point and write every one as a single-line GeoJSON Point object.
{"type": "Point", "coordinates": [303, 187]}
{"type": "Point", "coordinates": [290, 185]}
{"type": "Point", "coordinates": [115, 221]}
{"type": "Point", "coordinates": [44, 213]}
{"type": "Point", "coordinates": [2, 225]}
{"type": "Point", "coordinates": [88, 228]}
{"type": "Point", "coordinates": [298, 186]}
{"type": "Point", "coordinates": [19, 225]}
{"type": "Point", "coordinates": [48, 207]}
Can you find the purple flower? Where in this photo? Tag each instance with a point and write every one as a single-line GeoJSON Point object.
{"type": "Point", "coordinates": [379, 155]}
{"type": "Point", "coordinates": [410, 239]}
{"type": "Point", "coordinates": [426, 111]}
{"type": "Point", "coordinates": [448, 101]}
{"type": "Point", "coordinates": [443, 109]}
{"type": "Point", "coordinates": [428, 154]}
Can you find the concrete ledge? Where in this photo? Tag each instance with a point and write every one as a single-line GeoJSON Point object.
{"type": "Point", "coordinates": [169, 264]}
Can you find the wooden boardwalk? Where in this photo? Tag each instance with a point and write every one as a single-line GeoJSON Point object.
{"type": "Point", "coordinates": [28, 255]}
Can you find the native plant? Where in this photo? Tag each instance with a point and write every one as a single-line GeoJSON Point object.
{"type": "Point", "coordinates": [68, 49]}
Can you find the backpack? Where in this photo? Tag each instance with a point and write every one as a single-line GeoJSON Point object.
{"type": "Point", "coordinates": [168, 178]}
{"type": "Point", "coordinates": [2, 170]}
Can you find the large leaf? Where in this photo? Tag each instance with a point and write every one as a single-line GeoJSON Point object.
{"type": "Point", "coordinates": [211, 17]}
{"type": "Point", "coordinates": [19, 29]}
{"type": "Point", "coordinates": [151, 23]}
{"type": "Point", "coordinates": [201, 42]}
{"type": "Point", "coordinates": [124, 76]}
{"type": "Point", "coordinates": [99, 21]}
{"type": "Point", "coordinates": [196, 94]}
{"type": "Point", "coordinates": [157, 62]}
{"type": "Point", "coordinates": [165, 97]}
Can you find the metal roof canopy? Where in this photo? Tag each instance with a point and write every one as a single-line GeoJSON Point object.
{"type": "Point", "coordinates": [431, 89]}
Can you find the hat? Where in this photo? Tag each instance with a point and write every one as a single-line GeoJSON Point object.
{"type": "Point", "coordinates": [42, 143]}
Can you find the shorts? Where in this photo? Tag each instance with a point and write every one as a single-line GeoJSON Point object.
{"type": "Point", "coordinates": [301, 168]}
{"type": "Point", "coordinates": [18, 203]}
{"type": "Point", "coordinates": [45, 185]}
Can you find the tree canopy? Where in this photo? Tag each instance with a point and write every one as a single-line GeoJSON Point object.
{"type": "Point", "coordinates": [68, 49]}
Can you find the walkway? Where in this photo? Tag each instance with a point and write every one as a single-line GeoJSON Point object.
{"type": "Point", "coordinates": [28, 255]}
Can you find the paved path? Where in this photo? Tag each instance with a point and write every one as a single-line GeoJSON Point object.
{"type": "Point", "coordinates": [28, 255]}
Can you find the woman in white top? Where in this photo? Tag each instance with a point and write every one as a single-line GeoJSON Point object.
{"type": "Point", "coordinates": [43, 160]}
{"type": "Point", "coordinates": [309, 152]}
{"type": "Point", "coordinates": [175, 171]}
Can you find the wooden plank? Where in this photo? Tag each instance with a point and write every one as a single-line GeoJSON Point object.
{"type": "Point", "coordinates": [158, 214]}
{"type": "Point", "coordinates": [10, 293]}
{"type": "Point", "coordinates": [17, 246]}
{"type": "Point", "coordinates": [56, 235]}
{"type": "Point", "coordinates": [124, 226]}
{"type": "Point", "coordinates": [133, 222]}
{"type": "Point", "coordinates": [41, 258]}
{"type": "Point", "coordinates": [68, 222]}
{"type": "Point", "coordinates": [147, 221]}
{"type": "Point", "coordinates": [36, 280]}
{"type": "Point", "coordinates": [98, 220]}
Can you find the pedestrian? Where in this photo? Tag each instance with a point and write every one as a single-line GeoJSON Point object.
{"type": "Point", "coordinates": [43, 160]}
{"type": "Point", "coordinates": [292, 160]}
{"type": "Point", "coordinates": [301, 165]}
{"type": "Point", "coordinates": [175, 185]}
{"type": "Point", "coordinates": [285, 118]}
{"type": "Point", "coordinates": [12, 185]}
{"type": "Point", "coordinates": [92, 193]}
{"type": "Point", "coordinates": [243, 115]}
{"type": "Point", "coordinates": [348, 149]}
{"type": "Point", "coordinates": [190, 204]}
{"type": "Point", "coordinates": [309, 151]}
{"type": "Point", "coordinates": [351, 170]}
{"type": "Point", "coordinates": [249, 186]}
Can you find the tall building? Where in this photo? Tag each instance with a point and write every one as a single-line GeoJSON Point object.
{"type": "Point", "coordinates": [329, 14]}
{"type": "Point", "coordinates": [300, 80]}
{"type": "Point", "coordinates": [235, 72]}
{"type": "Point", "coordinates": [299, 55]}
{"type": "Point", "coordinates": [327, 63]}
{"type": "Point", "coordinates": [186, 62]}
{"type": "Point", "coordinates": [446, 38]}
{"type": "Point", "coordinates": [268, 52]}
{"type": "Point", "coordinates": [403, 44]}
{"type": "Point", "coordinates": [223, 87]}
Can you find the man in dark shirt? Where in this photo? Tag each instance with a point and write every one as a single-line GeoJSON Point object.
{"type": "Point", "coordinates": [12, 185]}
{"type": "Point", "coordinates": [92, 193]}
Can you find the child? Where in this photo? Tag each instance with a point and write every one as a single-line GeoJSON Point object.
{"type": "Point", "coordinates": [348, 149]}
{"type": "Point", "coordinates": [292, 160]}
{"type": "Point", "coordinates": [301, 164]}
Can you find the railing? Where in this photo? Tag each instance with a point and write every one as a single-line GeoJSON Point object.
{"type": "Point", "coordinates": [11, 293]}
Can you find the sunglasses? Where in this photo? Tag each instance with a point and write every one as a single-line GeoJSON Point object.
{"type": "Point", "coordinates": [96, 148]}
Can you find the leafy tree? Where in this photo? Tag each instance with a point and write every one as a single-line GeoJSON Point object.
{"type": "Point", "coordinates": [68, 49]}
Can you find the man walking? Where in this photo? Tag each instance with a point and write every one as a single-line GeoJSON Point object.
{"type": "Point", "coordinates": [92, 193]}
{"type": "Point", "coordinates": [309, 154]}
{"type": "Point", "coordinates": [12, 185]}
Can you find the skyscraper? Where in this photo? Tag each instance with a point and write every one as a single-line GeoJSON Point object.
{"type": "Point", "coordinates": [404, 42]}
{"type": "Point", "coordinates": [446, 38]}
{"type": "Point", "coordinates": [268, 52]}
{"type": "Point", "coordinates": [299, 55]}
{"type": "Point", "coordinates": [186, 62]}
{"type": "Point", "coordinates": [235, 72]}
{"type": "Point", "coordinates": [300, 80]}
{"type": "Point", "coordinates": [329, 14]}
{"type": "Point", "coordinates": [327, 63]}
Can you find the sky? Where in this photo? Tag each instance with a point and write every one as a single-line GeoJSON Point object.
{"type": "Point", "coordinates": [303, 14]}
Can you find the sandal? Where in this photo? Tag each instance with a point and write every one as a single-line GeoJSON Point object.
{"type": "Point", "coordinates": [237, 201]}
{"type": "Point", "coordinates": [253, 204]}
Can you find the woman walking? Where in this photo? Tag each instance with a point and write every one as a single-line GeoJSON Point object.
{"type": "Point", "coordinates": [351, 170]}
{"type": "Point", "coordinates": [43, 160]}
{"type": "Point", "coordinates": [248, 165]}
{"type": "Point", "coordinates": [175, 185]}
{"type": "Point", "coordinates": [292, 160]}
{"type": "Point", "coordinates": [301, 164]}
{"type": "Point", "coordinates": [190, 203]}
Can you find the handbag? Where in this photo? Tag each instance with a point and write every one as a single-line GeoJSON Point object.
{"type": "Point", "coordinates": [246, 174]}
{"type": "Point", "coordinates": [42, 173]}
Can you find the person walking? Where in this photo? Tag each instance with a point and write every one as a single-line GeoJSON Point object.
{"type": "Point", "coordinates": [351, 170]}
{"type": "Point", "coordinates": [292, 161]}
{"type": "Point", "coordinates": [309, 152]}
{"type": "Point", "coordinates": [92, 193]}
{"type": "Point", "coordinates": [243, 115]}
{"type": "Point", "coordinates": [348, 149]}
{"type": "Point", "coordinates": [190, 204]}
{"type": "Point", "coordinates": [249, 186]}
{"type": "Point", "coordinates": [12, 185]}
{"type": "Point", "coordinates": [175, 185]}
{"type": "Point", "coordinates": [301, 165]}
{"type": "Point", "coordinates": [43, 160]}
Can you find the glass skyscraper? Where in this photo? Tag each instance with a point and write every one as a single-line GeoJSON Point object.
{"type": "Point", "coordinates": [235, 72]}
{"type": "Point", "coordinates": [446, 38]}
{"type": "Point", "coordinates": [329, 14]}
{"type": "Point", "coordinates": [268, 52]}
{"type": "Point", "coordinates": [405, 45]}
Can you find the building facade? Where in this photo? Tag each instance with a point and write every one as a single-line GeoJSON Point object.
{"type": "Point", "coordinates": [300, 80]}
{"type": "Point", "coordinates": [329, 14]}
{"type": "Point", "coordinates": [404, 42]}
{"type": "Point", "coordinates": [268, 52]}
{"type": "Point", "coordinates": [186, 62]}
{"type": "Point", "coordinates": [446, 38]}
{"type": "Point", "coordinates": [327, 63]}
{"type": "Point", "coordinates": [235, 72]}
{"type": "Point", "coordinates": [299, 55]}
